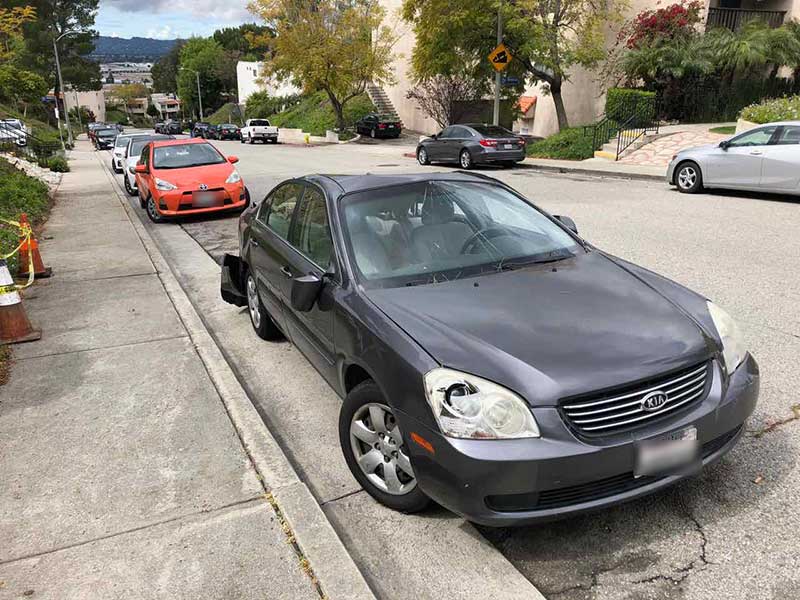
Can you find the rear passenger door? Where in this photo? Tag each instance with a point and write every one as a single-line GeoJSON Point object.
{"type": "Point", "coordinates": [269, 248]}
{"type": "Point", "coordinates": [313, 254]}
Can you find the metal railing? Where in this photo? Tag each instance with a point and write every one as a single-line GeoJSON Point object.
{"type": "Point", "coordinates": [734, 18]}
{"type": "Point", "coordinates": [642, 121]}
{"type": "Point", "coordinates": [24, 144]}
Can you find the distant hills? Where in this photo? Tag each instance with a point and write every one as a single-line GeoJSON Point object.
{"type": "Point", "coordinates": [137, 49]}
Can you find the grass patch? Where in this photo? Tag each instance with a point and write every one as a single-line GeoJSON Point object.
{"type": "Point", "coordinates": [724, 129]}
{"type": "Point", "coordinates": [115, 115]}
{"type": "Point", "coordinates": [314, 114]}
{"type": "Point", "coordinates": [227, 113]}
{"type": "Point", "coordinates": [39, 129]}
{"type": "Point", "coordinates": [19, 193]}
{"type": "Point", "coordinates": [569, 144]}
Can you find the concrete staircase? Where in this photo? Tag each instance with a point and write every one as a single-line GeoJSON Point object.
{"type": "Point", "coordinates": [609, 150]}
{"type": "Point", "coordinates": [381, 101]}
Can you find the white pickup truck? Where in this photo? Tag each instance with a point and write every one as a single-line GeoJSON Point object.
{"type": "Point", "coordinates": [259, 129]}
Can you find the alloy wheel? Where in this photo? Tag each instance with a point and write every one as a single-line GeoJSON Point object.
{"type": "Point", "coordinates": [687, 177]}
{"type": "Point", "coordinates": [252, 302]}
{"type": "Point", "coordinates": [379, 450]}
{"type": "Point", "coordinates": [422, 156]}
{"type": "Point", "coordinates": [466, 159]}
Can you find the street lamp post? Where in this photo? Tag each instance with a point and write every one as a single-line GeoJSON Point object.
{"type": "Point", "coordinates": [61, 85]}
{"type": "Point", "coordinates": [199, 96]}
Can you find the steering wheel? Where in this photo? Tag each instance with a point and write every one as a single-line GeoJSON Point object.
{"type": "Point", "coordinates": [484, 235]}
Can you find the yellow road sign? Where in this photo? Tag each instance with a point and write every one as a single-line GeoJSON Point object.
{"type": "Point", "coordinates": [500, 57]}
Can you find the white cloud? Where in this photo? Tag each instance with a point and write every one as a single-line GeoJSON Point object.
{"type": "Point", "coordinates": [230, 10]}
{"type": "Point", "coordinates": [163, 33]}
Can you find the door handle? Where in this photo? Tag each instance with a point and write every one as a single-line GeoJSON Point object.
{"type": "Point", "coordinates": [286, 271]}
{"type": "Point", "coordinates": [253, 242]}
{"type": "Point", "coordinates": [756, 152]}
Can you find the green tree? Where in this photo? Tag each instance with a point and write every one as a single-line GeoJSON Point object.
{"type": "Point", "coordinates": [55, 17]}
{"type": "Point", "coordinates": [332, 46]}
{"type": "Point", "coordinates": [21, 87]}
{"type": "Point", "coordinates": [128, 92]}
{"type": "Point", "coordinates": [547, 38]}
{"type": "Point", "coordinates": [753, 49]}
{"type": "Point", "coordinates": [165, 70]}
{"type": "Point", "coordinates": [248, 41]}
{"type": "Point", "coordinates": [204, 56]}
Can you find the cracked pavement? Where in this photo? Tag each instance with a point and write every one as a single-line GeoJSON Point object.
{"type": "Point", "coordinates": [728, 533]}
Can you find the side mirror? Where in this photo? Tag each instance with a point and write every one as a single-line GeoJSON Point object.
{"type": "Point", "coordinates": [305, 291]}
{"type": "Point", "coordinates": [140, 168]}
{"type": "Point", "coordinates": [233, 159]}
{"type": "Point", "coordinates": [568, 223]}
{"type": "Point", "coordinates": [132, 170]}
{"type": "Point", "coordinates": [435, 136]}
{"type": "Point", "coordinates": [724, 144]}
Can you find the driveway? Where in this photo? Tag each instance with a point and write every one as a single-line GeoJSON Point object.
{"type": "Point", "coordinates": [728, 533]}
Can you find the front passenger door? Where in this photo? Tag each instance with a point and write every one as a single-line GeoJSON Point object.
{"type": "Point", "coordinates": [739, 165]}
{"type": "Point", "coordinates": [312, 331]}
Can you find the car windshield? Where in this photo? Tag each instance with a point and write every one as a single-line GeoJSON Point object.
{"type": "Point", "coordinates": [107, 133]}
{"type": "Point", "coordinates": [436, 231]}
{"type": "Point", "coordinates": [138, 144]}
{"type": "Point", "coordinates": [259, 123]}
{"type": "Point", "coordinates": [181, 156]}
{"type": "Point", "coordinates": [492, 131]}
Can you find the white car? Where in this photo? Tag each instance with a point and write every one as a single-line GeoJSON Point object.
{"type": "Point", "coordinates": [120, 149]}
{"type": "Point", "coordinates": [133, 151]}
{"type": "Point", "coordinates": [13, 131]}
{"type": "Point", "coordinates": [764, 159]}
{"type": "Point", "coordinates": [259, 129]}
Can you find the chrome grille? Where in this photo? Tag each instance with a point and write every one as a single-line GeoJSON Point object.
{"type": "Point", "coordinates": [623, 410]}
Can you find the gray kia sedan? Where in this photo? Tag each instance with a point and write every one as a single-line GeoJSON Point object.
{"type": "Point", "coordinates": [489, 358]}
{"type": "Point", "coordinates": [471, 144]}
{"type": "Point", "coordinates": [764, 159]}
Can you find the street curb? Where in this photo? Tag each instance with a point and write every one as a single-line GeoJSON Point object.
{"type": "Point", "coordinates": [596, 172]}
{"type": "Point", "coordinates": [336, 572]}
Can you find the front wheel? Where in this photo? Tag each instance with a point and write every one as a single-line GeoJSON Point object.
{"type": "Point", "coordinates": [465, 159]}
{"type": "Point", "coordinates": [375, 450]}
{"type": "Point", "coordinates": [422, 157]}
{"type": "Point", "coordinates": [689, 178]}
{"type": "Point", "coordinates": [152, 211]}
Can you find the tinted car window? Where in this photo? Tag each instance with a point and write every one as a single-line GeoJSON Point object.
{"type": "Point", "coordinates": [790, 136]}
{"type": "Point", "coordinates": [493, 131]}
{"type": "Point", "coordinates": [280, 210]}
{"type": "Point", "coordinates": [180, 156]}
{"type": "Point", "coordinates": [311, 234]}
{"type": "Point", "coordinates": [756, 137]}
{"type": "Point", "coordinates": [259, 123]}
{"type": "Point", "coordinates": [447, 132]}
{"type": "Point", "coordinates": [461, 133]}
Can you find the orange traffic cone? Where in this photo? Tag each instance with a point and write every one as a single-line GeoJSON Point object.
{"type": "Point", "coordinates": [14, 324]}
{"type": "Point", "coordinates": [26, 246]}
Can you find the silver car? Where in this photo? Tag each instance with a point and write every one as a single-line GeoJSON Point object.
{"type": "Point", "coordinates": [764, 159]}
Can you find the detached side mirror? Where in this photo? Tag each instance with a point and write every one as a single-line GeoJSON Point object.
{"type": "Point", "coordinates": [724, 144]}
{"type": "Point", "coordinates": [233, 159]}
{"type": "Point", "coordinates": [305, 291]}
{"type": "Point", "coordinates": [140, 168]}
{"type": "Point", "coordinates": [568, 223]}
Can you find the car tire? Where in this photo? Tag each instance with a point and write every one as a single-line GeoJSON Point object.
{"type": "Point", "coordinates": [260, 319]}
{"type": "Point", "coordinates": [241, 140]}
{"type": "Point", "coordinates": [689, 178]}
{"type": "Point", "coordinates": [378, 446]}
{"type": "Point", "coordinates": [465, 159]}
{"type": "Point", "coordinates": [422, 157]}
{"type": "Point", "coordinates": [152, 210]}
{"type": "Point", "coordinates": [507, 164]}
{"type": "Point", "coordinates": [372, 133]}
{"type": "Point", "coordinates": [128, 188]}
{"type": "Point", "coordinates": [249, 140]}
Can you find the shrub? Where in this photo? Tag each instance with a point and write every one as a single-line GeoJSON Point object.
{"type": "Point", "coordinates": [260, 105]}
{"type": "Point", "coordinates": [618, 99]}
{"type": "Point", "coordinates": [314, 114]}
{"type": "Point", "coordinates": [664, 23]}
{"type": "Point", "coordinates": [58, 164]}
{"type": "Point", "coordinates": [569, 144]}
{"type": "Point", "coordinates": [767, 111]}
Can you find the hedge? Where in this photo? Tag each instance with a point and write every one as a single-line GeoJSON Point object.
{"type": "Point", "coordinates": [618, 99]}
{"type": "Point", "coordinates": [767, 111]}
{"type": "Point", "coordinates": [569, 144]}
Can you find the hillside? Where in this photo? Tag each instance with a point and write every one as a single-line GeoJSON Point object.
{"type": "Point", "coordinates": [136, 49]}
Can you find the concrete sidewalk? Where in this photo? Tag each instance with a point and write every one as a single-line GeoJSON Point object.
{"type": "Point", "coordinates": [598, 167]}
{"type": "Point", "coordinates": [130, 464]}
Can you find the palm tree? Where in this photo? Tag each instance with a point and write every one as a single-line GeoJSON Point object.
{"type": "Point", "coordinates": [752, 50]}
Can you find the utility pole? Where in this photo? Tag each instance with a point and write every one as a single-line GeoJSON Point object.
{"type": "Point", "coordinates": [61, 86]}
{"type": "Point", "coordinates": [498, 76]}
{"type": "Point", "coordinates": [199, 97]}
{"type": "Point", "coordinates": [77, 109]}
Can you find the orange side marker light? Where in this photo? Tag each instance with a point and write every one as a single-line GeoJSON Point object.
{"type": "Point", "coordinates": [422, 442]}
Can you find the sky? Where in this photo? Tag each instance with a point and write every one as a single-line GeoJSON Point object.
{"type": "Point", "coordinates": [169, 19]}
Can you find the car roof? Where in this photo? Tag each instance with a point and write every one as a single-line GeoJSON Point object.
{"type": "Point", "coordinates": [348, 184]}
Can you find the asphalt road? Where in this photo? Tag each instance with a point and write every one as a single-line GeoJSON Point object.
{"type": "Point", "coordinates": [730, 532]}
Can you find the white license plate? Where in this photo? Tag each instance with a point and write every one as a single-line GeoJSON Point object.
{"type": "Point", "coordinates": [508, 146]}
{"type": "Point", "coordinates": [668, 453]}
{"type": "Point", "coordinates": [204, 199]}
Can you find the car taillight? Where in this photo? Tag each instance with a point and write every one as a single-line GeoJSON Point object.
{"type": "Point", "coordinates": [488, 143]}
{"type": "Point", "coordinates": [381, 125]}
{"type": "Point", "coordinates": [521, 141]}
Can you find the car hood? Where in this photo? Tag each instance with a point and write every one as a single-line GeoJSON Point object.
{"type": "Point", "coordinates": [550, 331]}
{"type": "Point", "coordinates": [192, 177]}
{"type": "Point", "coordinates": [703, 149]}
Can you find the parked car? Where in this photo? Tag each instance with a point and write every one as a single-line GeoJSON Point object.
{"type": "Point", "coordinates": [169, 127]}
{"type": "Point", "coordinates": [471, 144]}
{"type": "Point", "coordinates": [200, 129]}
{"type": "Point", "coordinates": [258, 129]}
{"type": "Point", "coordinates": [489, 358]}
{"type": "Point", "coordinates": [118, 152]}
{"type": "Point", "coordinates": [91, 128]}
{"type": "Point", "coordinates": [764, 159]}
{"type": "Point", "coordinates": [13, 131]}
{"type": "Point", "coordinates": [132, 154]}
{"type": "Point", "coordinates": [226, 131]}
{"type": "Point", "coordinates": [104, 138]}
{"type": "Point", "coordinates": [379, 125]}
{"type": "Point", "coordinates": [187, 177]}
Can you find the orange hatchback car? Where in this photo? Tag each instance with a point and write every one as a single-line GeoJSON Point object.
{"type": "Point", "coordinates": [187, 177]}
